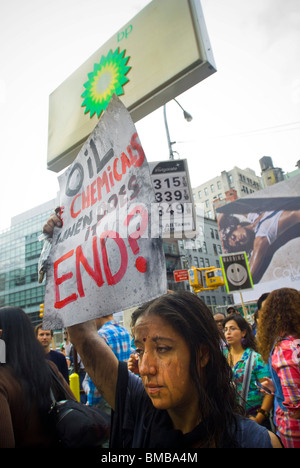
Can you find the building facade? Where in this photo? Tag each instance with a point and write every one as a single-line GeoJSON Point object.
{"type": "Point", "coordinates": [229, 185]}
{"type": "Point", "coordinates": [20, 250]}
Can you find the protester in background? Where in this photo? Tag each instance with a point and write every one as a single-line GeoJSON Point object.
{"type": "Point", "coordinates": [219, 319]}
{"type": "Point", "coordinates": [25, 381]}
{"type": "Point", "coordinates": [260, 303]}
{"type": "Point", "coordinates": [68, 346]}
{"type": "Point", "coordinates": [254, 324]}
{"type": "Point", "coordinates": [231, 310]}
{"type": "Point", "coordinates": [241, 349]}
{"type": "Point", "coordinates": [45, 337]}
{"type": "Point", "coordinates": [279, 343]}
{"type": "Point", "coordinates": [118, 339]}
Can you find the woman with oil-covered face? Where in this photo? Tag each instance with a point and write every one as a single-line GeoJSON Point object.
{"type": "Point", "coordinates": [164, 366]}
{"type": "Point", "coordinates": [182, 367]}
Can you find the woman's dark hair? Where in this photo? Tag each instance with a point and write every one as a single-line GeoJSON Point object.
{"type": "Point", "coordinates": [228, 225]}
{"type": "Point", "coordinates": [249, 339]}
{"type": "Point", "coordinates": [25, 357]}
{"type": "Point", "coordinates": [192, 320]}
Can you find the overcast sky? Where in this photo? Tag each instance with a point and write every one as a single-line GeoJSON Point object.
{"type": "Point", "coordinates": [250, 108]}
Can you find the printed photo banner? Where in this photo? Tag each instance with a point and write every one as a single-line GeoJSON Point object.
{"type": "Point", "coordinates": [266, 225]}
{"type": "Point", "coordinates": [108, 255]}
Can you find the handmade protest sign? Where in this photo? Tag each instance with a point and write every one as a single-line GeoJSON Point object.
{"type": "Point", "coordinates": [108, 256]}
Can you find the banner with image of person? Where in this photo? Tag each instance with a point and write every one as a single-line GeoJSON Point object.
{"type": "Point", "coordinates": [266, 225]}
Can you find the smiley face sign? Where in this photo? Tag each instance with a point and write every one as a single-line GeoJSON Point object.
{"type": "Point", "coordinates": [236, 272]}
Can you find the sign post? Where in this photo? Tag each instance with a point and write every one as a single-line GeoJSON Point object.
{"type": "Point", "coordinates": [237, 275]}
{"type": "Point", "coordinates": [181, 275]}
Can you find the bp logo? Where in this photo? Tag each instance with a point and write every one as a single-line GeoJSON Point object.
{"type": "Point", "coordinates": [107, 78]}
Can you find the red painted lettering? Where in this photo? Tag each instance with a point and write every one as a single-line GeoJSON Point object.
{"type": "Point", "coordinates": [133, 157]}
{"type": "Point", "coordinates": [93, 193]}
{"type": "Point", "coordinates": [86, 198]}
{"type": "Point", "coordinates": [59, 304]}
{"type": "Point", "coordinates": [117, 176]}
{"type": "Point", "coordinates": [101, 183]}
{"type": "Point", "coordinates": [137, 146]}
{"type": "Point", "coordinates": [95, 273]}
{"type": "Point", "coordinates": [113, 279]}
{"type": "Point", "coordinates": [125, 163]}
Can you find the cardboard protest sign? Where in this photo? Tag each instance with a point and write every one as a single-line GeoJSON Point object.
{"type": "Point", "coordinates": [108, 255]}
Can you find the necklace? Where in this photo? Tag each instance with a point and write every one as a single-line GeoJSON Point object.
{"type": "Point", "coordinates": [233, 359]}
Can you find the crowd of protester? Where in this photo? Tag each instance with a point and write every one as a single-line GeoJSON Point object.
{"type": "Point", "coordinates": [273, 340]}
{"type": "Point", "coordinates": [193, 379]}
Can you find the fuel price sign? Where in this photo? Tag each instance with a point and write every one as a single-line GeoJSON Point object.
{"type": "Point", "coordinates": [173, 194]}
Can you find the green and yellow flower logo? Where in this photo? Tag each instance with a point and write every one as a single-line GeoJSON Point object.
{"type": "Point", "coordinates": [108, 77]}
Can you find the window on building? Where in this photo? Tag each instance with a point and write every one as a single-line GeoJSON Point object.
{"type": "Point", "coordinates": [199, 193]}
{"type": "Point", "coordinates": [206, 191]}
{"type": "Point", "coordinates": [219, 184]}
{"type": "Point", "coordinates": [212, 233]}
{"type": "Point", "coordinates": [200, 228]}
{"type": "Point", "coordinates": [212, 188]}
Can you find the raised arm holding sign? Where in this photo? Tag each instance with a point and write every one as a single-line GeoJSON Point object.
{"type": "Point", "coordinates": [108, 254]}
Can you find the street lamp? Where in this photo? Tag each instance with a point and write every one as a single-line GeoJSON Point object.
{"type": "Point", "coordinates": [187, 117]}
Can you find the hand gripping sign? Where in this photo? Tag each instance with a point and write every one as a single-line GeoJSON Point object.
{"type": "Point", "coordinates": [108, 256]}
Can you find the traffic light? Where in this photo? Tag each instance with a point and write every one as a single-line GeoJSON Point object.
{"type": "Point", "coordinates": [205, 279]}
{"type": "Point", "coordinates": [41, 310]}
{"type": "Point", "coordinates": [195, 279]}
{"type": "Point", "coordinates": [214, 278]}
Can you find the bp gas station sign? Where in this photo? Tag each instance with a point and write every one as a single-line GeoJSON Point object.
{"type": "Point", "coordinates": [160, 53]}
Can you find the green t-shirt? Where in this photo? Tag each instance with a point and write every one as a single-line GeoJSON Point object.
{"type": "Point", "coordinates": [259, 371]}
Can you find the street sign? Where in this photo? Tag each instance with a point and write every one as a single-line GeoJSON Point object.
{"type": "Point", "coordinates": [173, 193]}
{"type": "Point", "coordinates": [181, 275]}
{"type": "Point", "coordinates": [236, 272]}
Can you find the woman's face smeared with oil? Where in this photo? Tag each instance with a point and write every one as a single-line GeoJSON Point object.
{"type": "Point", "coordinates": [164, 364]}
